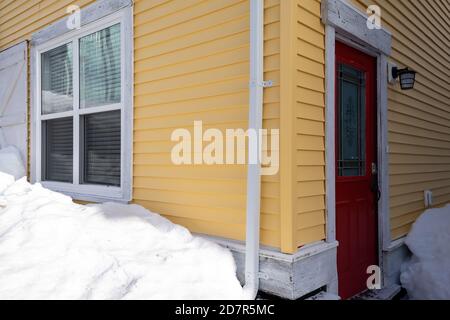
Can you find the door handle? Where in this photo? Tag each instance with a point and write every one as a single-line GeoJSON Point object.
{"type": "Point", "coordinates": [374, 185]}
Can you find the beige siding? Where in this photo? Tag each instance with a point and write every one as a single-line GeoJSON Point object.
{"type": "Point", "coordinates": [302, 188]}
{"type": "Point", "coordinates": [309, 207]}
{"type": "Point", "coordinates": [270, 188]}
{"type": "Point", "coordinates": [192, 63]}
{"type": "Point", "coordinates": [19, 19]}
{"type": "Point", "coordinates": [419, 120]}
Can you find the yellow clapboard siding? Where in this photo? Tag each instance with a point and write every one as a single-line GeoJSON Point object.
{"type": "Point", "coordinates": [230, 186]}
{"type": "Point", "coordinates": [47, 14]}
{"type": "Point", "coordinates": [310, 143]}
{"type": "Point", "coordinates": [310, 112]}
{"type": "Point", "coordinates": [209, 48]}
{"type": "Point", "coordinates": [310, 235]}
{"type": "Point", "coordinates": [418, 177]}
{"type": "Point", "coordinates": [220, 102]}
{"type": "Point", "coordinates": [309, 66]}
{"type": "Point", "coordinates": [310, 158]}
{"type": "Point", "coordinates": [417, 187]}
{"type": "Point", "coordinates": [270, 188]}
{"type": "Point", "coordinates": [310, 188]}
{"type": "Point", "coordinates": [192, 80]}
{"type": "Point", "coordinates": [216, 32]}
{"type": "Point", "coordinates": [312, 172]}
{"type": "Point", "coordinates": [311, 219]}
{"type": "Point", "coordinates": [310, 204]}
{"type": "Point", "coordinates": [309, 125]}
{"type": "Point", "coordinates": [226, 58]}
{"type": "Point", "coordinates": [175, 27]}
{"type": "Point", "coordinates": [192, 64]}
{"type": "Point", "coordinates": [189, 15]}
{"type": "Point", "coordinates": [418, 168]}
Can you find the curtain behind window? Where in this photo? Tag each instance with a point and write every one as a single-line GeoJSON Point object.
{"type": "Point", "coordinates": [57, 150]}
{"type": "Point", "coordinates": [100, 68]}
{"type": "Point", "coordinates": [56, 80]}
{"type": "Point", "coordinates": [101, 147]}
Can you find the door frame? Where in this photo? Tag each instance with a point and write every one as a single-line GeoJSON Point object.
{"type": "Point", "coordinates": [377, 43]}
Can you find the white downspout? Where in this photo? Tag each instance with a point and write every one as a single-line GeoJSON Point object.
{"type": "Point", "coordinates": [254, 170]}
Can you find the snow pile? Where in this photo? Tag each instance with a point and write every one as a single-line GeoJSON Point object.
{"type": "Point", "coordinates": [426, 275]}
{"type": "Point", "coordinates": [11, 162]}
{"type": "Point", "coordinates": [51, 248]}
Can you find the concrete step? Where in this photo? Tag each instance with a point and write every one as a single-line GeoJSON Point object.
{"type": "Point", "coordinates": [324, 296]}
{"type": "Point", "coordinates": [388, 293]}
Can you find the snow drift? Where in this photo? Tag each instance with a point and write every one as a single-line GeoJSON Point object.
{"type": "Point", "coordinates": [11, 162]}
{"type": "Point", "coordinates": [52, 248]}
{"type": "Point", "coordinates": [426, 275]}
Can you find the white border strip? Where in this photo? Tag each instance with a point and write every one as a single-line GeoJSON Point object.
{"type": "Point", "coordinates": [91, 13]}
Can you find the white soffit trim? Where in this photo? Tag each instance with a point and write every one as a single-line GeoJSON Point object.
{"type": "Point", "coordinates": [349, 20]}
{"type": "Point", "coordinates": [91, 13]}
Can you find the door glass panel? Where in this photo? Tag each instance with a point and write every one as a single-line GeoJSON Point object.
{"type": "Point", "coordinates": [352, 124]}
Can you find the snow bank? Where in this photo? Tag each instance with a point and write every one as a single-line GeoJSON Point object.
{"type": "Point", "coordinates": [427, 274]}
{"type": "Point", "coordinates": [11, 162]}
{"type": "Point", "coordinates": [51, 248]}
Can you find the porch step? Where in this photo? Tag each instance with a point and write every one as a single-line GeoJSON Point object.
{"type": "Point", "coordinates": [388, 293]}
{"type": "Point", "coordinates": [324, 296]}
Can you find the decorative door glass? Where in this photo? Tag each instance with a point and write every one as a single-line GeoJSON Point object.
{"type": "Point", "coordinates": [351, 122]}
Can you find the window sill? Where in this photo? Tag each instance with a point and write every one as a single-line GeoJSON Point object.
{"type": "Point", "coordinates": [90, 193]}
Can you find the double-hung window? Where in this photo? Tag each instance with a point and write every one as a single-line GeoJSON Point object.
{"type": "Point", "coordinates": [83, 111]}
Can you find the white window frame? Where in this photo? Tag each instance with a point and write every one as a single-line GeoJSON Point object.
{"type": "Point", "coordinates": [87, 192]}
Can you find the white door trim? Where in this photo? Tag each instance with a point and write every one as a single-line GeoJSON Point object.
{"type": "Point", "coordinates": [348, 25]}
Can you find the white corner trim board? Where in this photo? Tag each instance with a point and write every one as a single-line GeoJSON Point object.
{"type": "Point", "coordinates": [330, 49]}
{"type": "Point", "coordinates": [349, 20]}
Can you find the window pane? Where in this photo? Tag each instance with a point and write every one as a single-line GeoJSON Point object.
{"type": "Point", "coordinates": [100, 68]}
{"type": "Point", "coordinates": [57, 150]}
{"type": "Point", "coordinates": [352, 123]}
{"type": "Point", "coordinates": [101, 147]}
{"type": "Point", "coordinates": [56, 80]}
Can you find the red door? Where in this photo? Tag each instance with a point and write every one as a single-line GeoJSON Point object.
{"type": "Point", "coordinates": [356, 168]}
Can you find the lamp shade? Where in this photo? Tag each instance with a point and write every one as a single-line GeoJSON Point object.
{"type": "Point", "coordinates": [407, 78]}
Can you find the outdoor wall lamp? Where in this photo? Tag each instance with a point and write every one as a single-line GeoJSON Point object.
{"type": "Point", "coordinates": [407, 77]}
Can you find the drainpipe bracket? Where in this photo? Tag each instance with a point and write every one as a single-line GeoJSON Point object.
{"type": "Point", "coordinates": [264, 84]}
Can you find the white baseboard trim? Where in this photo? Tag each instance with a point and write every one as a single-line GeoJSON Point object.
{"type": "Point", "coordinates": [393, 258]}
{"type": "Point", "coordinates": [290, 276]}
